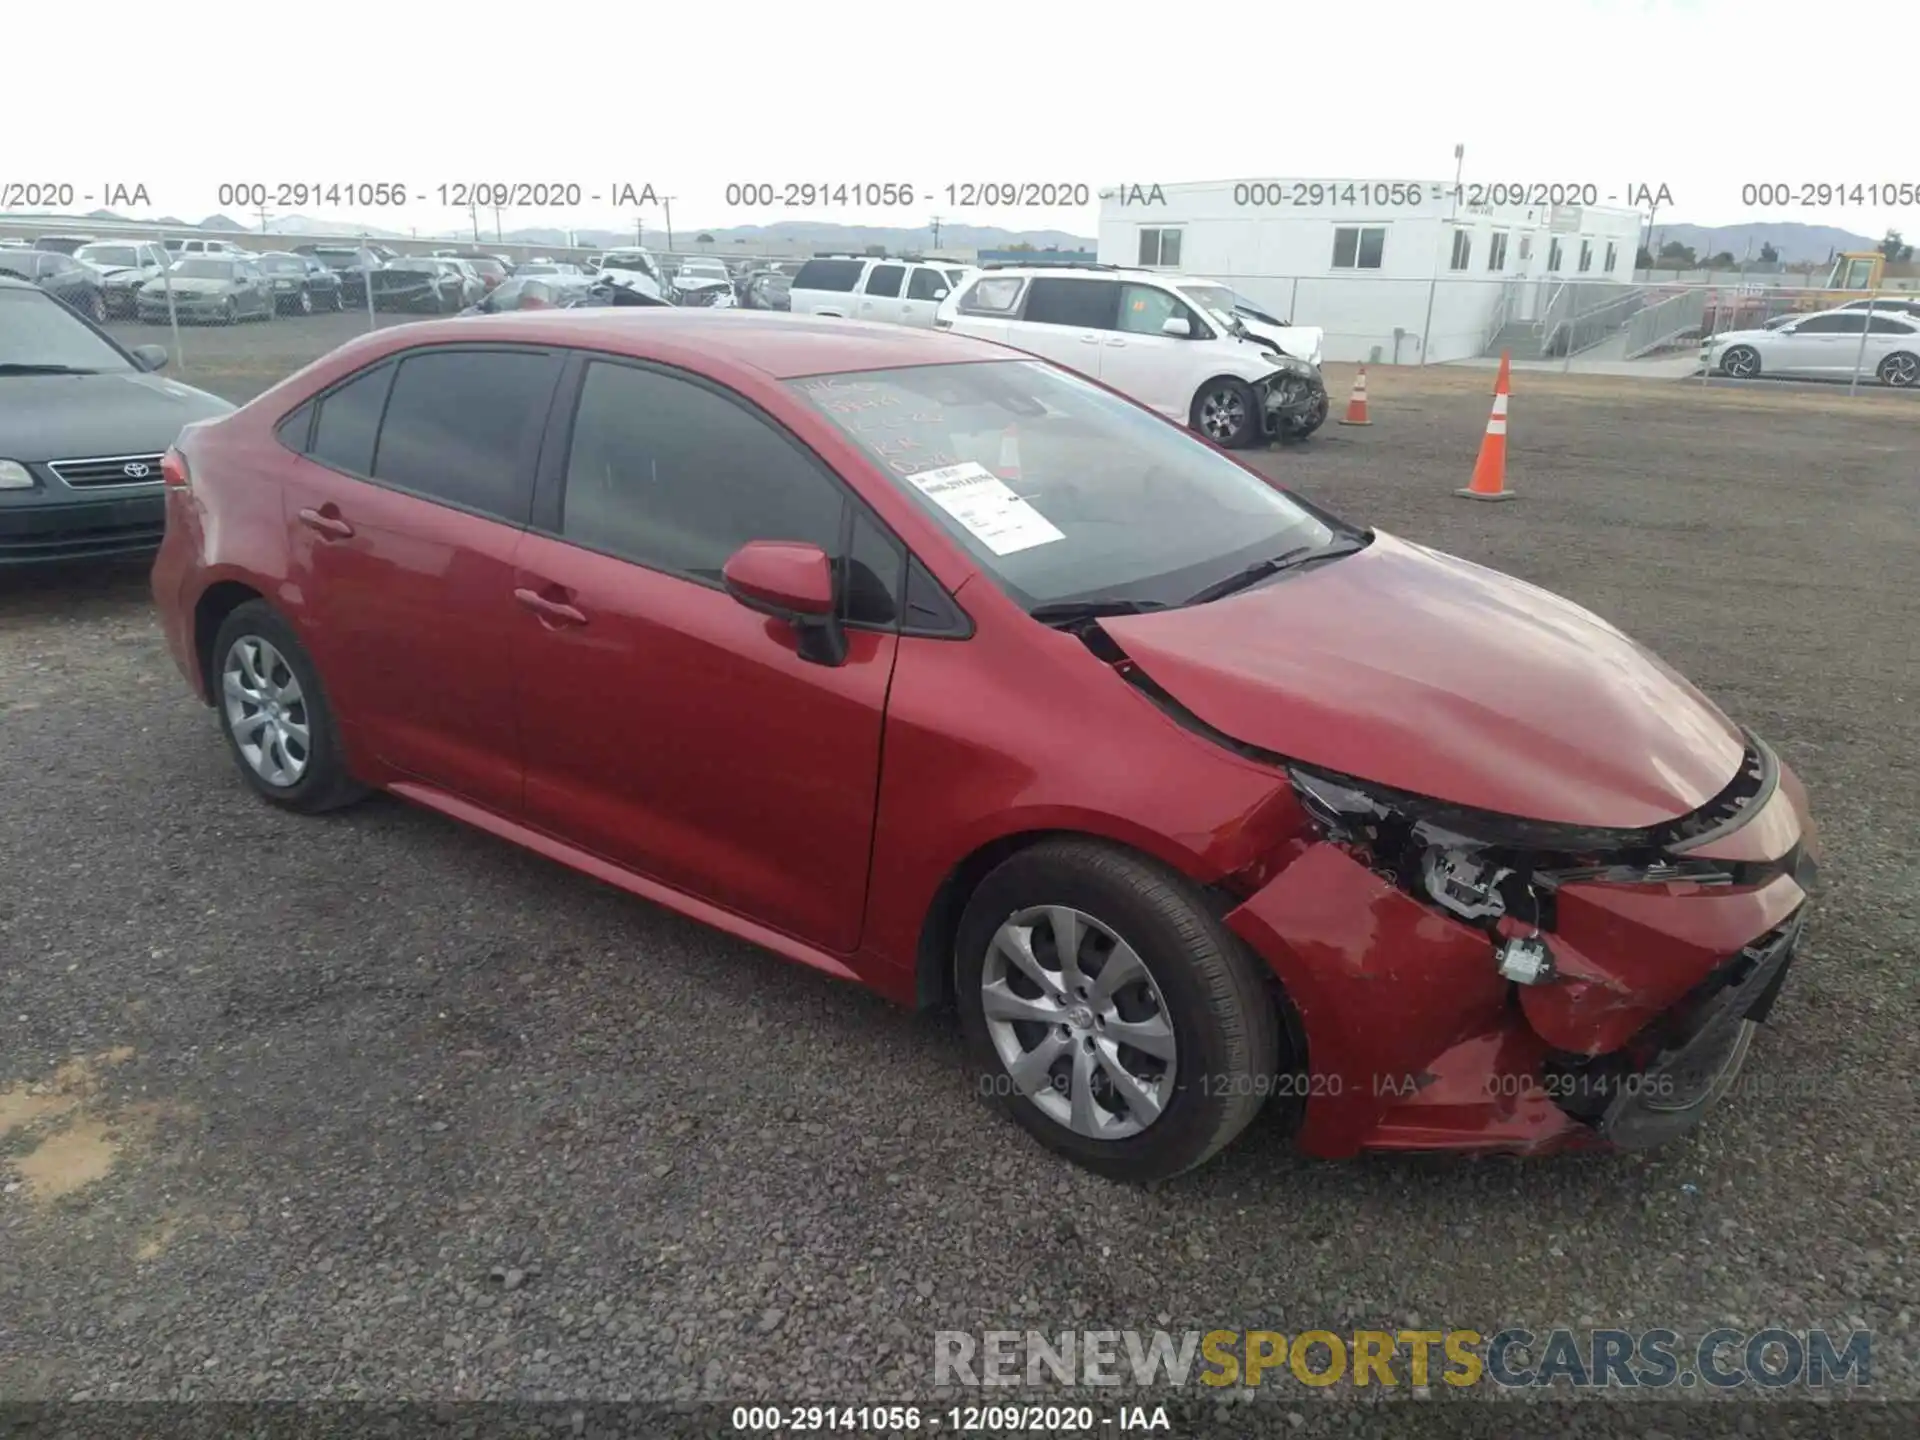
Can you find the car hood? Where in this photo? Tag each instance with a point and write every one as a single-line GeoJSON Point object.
{"type": "Point", "coordinates": [1302, 342]}
{"type": "Point", "coordinates": [61, 417]}
{"type": "Point", "coordinates": [1429, 674]}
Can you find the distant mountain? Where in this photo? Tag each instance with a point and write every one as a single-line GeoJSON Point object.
{"type": "Point", "coordinates": [820, 234]}
{"type": "Point", "coordinates": [1794, 241]}
{"type": "Point", "coordinates": [220, 222]}
{"type": "Point", "coordinates": [301, 225]}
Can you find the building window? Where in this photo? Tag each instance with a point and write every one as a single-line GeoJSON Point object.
{"type": "Point", "coordinates": [1613, 254]}
{"type": "Point", "coordinates": [1553, 257]}
{"type": "Point", "coordinates": [1497, 251]}
{"type": "Point", "coordinates": [1159, 247]}
{"type": "Point", "coordinates": [1462, 249]}
{"type": "Point", "coordinates": [1356, 248]}
{"type": "Point", "coordinates": [1526, 247]}
{"type": "Point", "coordinates": [1586, 256]}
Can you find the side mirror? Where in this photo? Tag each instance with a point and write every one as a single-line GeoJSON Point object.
{"type": "Point", "coordinates": [1176, 325]}
{"type": "Point", "coordinates": [940, 294]}
{"type": "Point", "coordinates": [149, 357]}
{"type": "Point", "coordinates": [792, 582]}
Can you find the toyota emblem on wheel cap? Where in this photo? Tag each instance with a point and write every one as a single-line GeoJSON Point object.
{"type": "Point", "coordinates": [136, 470]}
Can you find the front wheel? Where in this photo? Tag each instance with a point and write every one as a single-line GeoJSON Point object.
{"type": "Point", "coordinates": [339, 300]}
{"type": "Point", "coordinates": [230, 312]}
{"type": "Point", "coordinates": [1742, 362]}
{"type": "Point", "coordinates": [274, 713]}
{"type": "Point", "coordinates": [1902, 368]}
{"type": "Point", "coordinates": [304, 302]}
{"type": "Point", "coordinates": [1227, 412]}
{"type": "Point", "coordinates": [97, 308]}
{"type": "Point", "coordinates": [1108, 1012]}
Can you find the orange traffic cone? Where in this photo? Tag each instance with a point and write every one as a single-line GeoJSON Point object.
{"type": "Point", "coordinates": [1357, 404]}
{"type": "Point", "coordinates": [1490, 470]}
{"type": "Point", "coordinates": [1009, 466]}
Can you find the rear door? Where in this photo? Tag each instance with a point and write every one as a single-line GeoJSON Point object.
{"type": "Point", "coordinates": [1825, 344]}
{"type": "Point", "coordinates": [880, 295]}
{"type": "Point", "coordinates": [403, 521]}
{"type": "Point", "coordinates": [1067, 320]}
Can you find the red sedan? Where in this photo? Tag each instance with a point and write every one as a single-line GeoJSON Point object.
{"type": "Point", "coordinates": [941, 669]}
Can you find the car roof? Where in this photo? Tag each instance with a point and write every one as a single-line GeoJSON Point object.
{"type": "Point", "coordinates": [777, 345]}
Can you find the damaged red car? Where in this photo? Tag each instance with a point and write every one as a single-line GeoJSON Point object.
{"type": "Point", "coordinates": [946, 671]}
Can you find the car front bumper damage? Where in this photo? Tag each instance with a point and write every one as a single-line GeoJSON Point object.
{"type": "Point", "coordinates": [1410, 1037]}
{"type": "Point", "coordinates": [1292, 400]}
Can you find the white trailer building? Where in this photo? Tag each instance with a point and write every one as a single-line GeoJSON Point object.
{"type": "Point", "coordinates": [1398, 272]}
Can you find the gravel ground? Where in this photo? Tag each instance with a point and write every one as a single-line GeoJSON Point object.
{"type": "Point", "coordinates": [375, 1106]}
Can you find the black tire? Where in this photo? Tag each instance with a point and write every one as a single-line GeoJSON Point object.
{"type": "Point", "coordinates": [1227, 412]}
{"type": "Point", "coordinates": [230, 312]}
{"type": "Point", "coordinates": [325, 783]}
{"type": "Point", "coordinates": [339, 300]}
{"type": "Point", "coordinates": [1741, 362]}
{"type": "Point", "coordinates": [1317, 417]}
{"type": "Point", "coordinates": [1900, 369]}
{"type": "Point", "coordinates": [1226, 1031]}
{"type": "Point", "coordinates": [303, 302]}
{"type": "Point", "coordinates": [97, 307]}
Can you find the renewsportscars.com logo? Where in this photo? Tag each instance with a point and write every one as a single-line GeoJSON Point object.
{"type": "Point", "coordinates": [1512, 1358]}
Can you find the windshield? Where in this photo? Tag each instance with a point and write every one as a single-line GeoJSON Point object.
{"type": "Point", "coordinates": [36, 329]}
{"type": "Point", "coordinates": [702, 270]}
{"type": "Point", "coordinates": [1060, 490]}
{"type": "Point", "coordinates": [202, 269]}
{"type": "Point", "coordinates": [1217, 300]}
{"type": "Point", "coordinates": [108, 254]}
{"type": "Point", "coordinates": [286, 266]}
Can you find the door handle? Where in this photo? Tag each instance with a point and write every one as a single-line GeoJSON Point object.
{"type": "Point", "coordinates": [332, 526]}
{"type": "Point", "coordinates": [1116, 341]}
{"type": "Point", "coordinates": [557, 611]}
{"type": "Point", "coordinates": [1089, 339]}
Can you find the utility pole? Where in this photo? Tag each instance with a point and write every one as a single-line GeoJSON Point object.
{"type": "Point", "coordinates": [474, 208]}
{"type": "Point", "coordinates": [667, 201]}
{"type": "Point", "coordinates": [639, 233]}
{"type": "Point", "coordinates": [263, 219]}
{"type": "Point", "coordinates": [936, 232]}
{"type": "Point", "coordinates": [498, 238]}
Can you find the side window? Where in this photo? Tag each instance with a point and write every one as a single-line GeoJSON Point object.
{"type": "Point", "coordinates": [1145, 308]}
{"type": "Point", "coordinates": [884, 280]}
{"type": "Point", "coordinates": [464, 426]}
{"type": "Point", "coordinates": [349, 421]}
{"type": "Point", "coordinates": [672, 476]}
{"type": "Point", "coordinates": [995, 295]}
{"type": "Point", "coordinates": [873, 576]}
{"type": "Point", "coordinates": [926, 283]}
{"type": "Point", "coordinates": [295, 431]}
{"type": "Point", "coordinates": [1882, 325]}
{"type": "Point", "coordinates": [841, 275]}
{"type": "Point", "coordinates": [1091, 304]}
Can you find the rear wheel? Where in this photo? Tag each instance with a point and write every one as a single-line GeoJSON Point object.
{"type": "Point", "coordinates": [1227, 412]}
{"type": "Point", "coordinates": [304, 301]}
{"type": "Point", "coordinates": [274, 712]}
{"type": "Point", "coordinates": [97, 308]}
{"type": "Point", "coordinates": [1109, 1013]}
{"type": "Point", "coordinates": [339, 299]}
{"type": "Point", "coordinates": [230, 312]}
{"type": "Point", "coordinates": [1902, 368]}
{"type": "Point", "coordinates": [1742, 362]}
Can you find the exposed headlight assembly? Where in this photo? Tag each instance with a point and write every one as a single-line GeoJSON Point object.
{"type": "Point", "coordinates": [14, 476]}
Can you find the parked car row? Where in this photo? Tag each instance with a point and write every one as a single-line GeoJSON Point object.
{"type": "Point", "coordinates": [1882, 343]}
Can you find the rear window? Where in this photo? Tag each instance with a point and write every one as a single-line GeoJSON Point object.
{"type": "Point", "coordinates": [840, 275]}
{"type": "Point", "coordinates": [204, 269]}
{"type": "Point", "coordinates": [349, 421]}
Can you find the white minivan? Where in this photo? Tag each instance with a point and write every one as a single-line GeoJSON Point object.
{"type": "Point", "coordinates": [854, 287]}
{"type": "Point", "coordinates": [1189, 348]}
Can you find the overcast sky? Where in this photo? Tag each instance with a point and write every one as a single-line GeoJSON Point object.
{"type": "Point", "coordinates": [1698, 95]}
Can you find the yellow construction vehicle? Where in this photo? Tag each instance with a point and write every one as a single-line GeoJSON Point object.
{"type": "Point", "coordinates": [1857, 275]}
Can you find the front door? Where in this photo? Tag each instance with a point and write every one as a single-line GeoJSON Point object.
{"type": "Point", "coordinates": [403, 521]}
{"type": "Point", "coordinates": [1067, 321]}
{"type": "Point", "coordinates": [1143, 362]}
{"type": "Point", "coordinates": [665, 726]}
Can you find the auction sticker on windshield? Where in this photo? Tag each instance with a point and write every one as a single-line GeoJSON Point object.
{"type": "Point", "coordinates": [981, 501]}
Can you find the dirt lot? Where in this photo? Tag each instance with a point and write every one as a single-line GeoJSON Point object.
{"type": "Point", "coordinates": [287, 1104]}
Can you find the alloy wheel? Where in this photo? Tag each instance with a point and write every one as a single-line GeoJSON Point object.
{"type": "Point", "coordinates": [1222, 415]}
{"type": "Point", "coordinates": [1741, 363]}
{"type": "Point", "coordinates": [1900, 369]}
{"type": "Point", "coordinates": [1079, 1022]}
{"type": "Point", "coordinates": [305, 302]}
{"type": "Point", "coordinates": [266, 711]}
